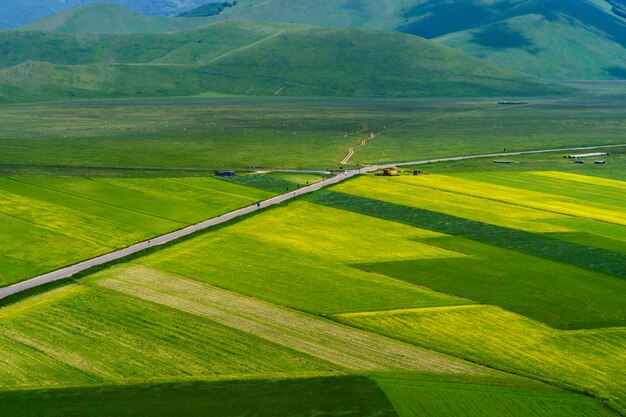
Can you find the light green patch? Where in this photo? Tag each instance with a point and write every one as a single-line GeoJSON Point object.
{"type": "Point", "coordinates": [298, 256]}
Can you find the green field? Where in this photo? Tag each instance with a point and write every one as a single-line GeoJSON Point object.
{"type": "Point", "coordinates": [479, 286]}
{"type": "Point", "coordinates": [235, 133]}
{"type": "Point", "coordinates": [489, 335]}
{"type": "Point", "coordinates": [77, 335]}
{"type": "Point", "coordinates": [566, 281]}
{"type": "Point", "coordinates": [394, 279]}
{"type": "Point", "coordinates": [428, 397]}
{"type": "Point", "coordinates": [346, 348]}
{"type": "Point", "coordinates": [346, 396]}
{"type": "Point", "coordinates": [312, 240]}
{"type": "Point", "coordinates": [48, 223]}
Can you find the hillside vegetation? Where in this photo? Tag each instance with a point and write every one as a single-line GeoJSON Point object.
{"type": "Point", "coordinates": [109, 18]}
{"type": "Point", "coordinates": [551, 39]}
{"type": "Point", "coordinates": [243, 57]}
{"type": "Point", "coordinates": [574, 39]}
{"type": "Point", "coordinates": [16, 13]}
{"type": "Point", "coordinates": [562, 40]}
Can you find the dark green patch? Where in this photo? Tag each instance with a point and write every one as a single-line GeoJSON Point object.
{"type": "Point", "coordinates": [209, 9]}
{"type": "Point", "coordinates": [320, 397]}
{"type": "Point", "coordinates": [559, 295]}
{"type": "Point", "coordinates": [501, 37]}
{"type": "Point", "coordinates": [588, 257]}
{"type": "Point", "coordinates": [432, 398]}
{"type": "Point", "coordinates": [440, 18]}
{"type": "Point", "coordinates": [264, 182]}
{"type": "Point", "coordinates": [617, 72]}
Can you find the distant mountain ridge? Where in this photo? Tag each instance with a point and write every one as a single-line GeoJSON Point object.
{"type": "Point", "coordinates": [247, 58]}
{"type": "Point", "coordinates": [552, 39]}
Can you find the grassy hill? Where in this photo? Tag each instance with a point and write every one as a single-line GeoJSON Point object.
{"type": "Point", "coordinates": [574, 39]}
{"type": "Point", "coordinates": [551, 39]}
{"type": "Point", "coordinates": [563, 40]}
{"type": "Point", "coordinates": [109, 18]}
{"type": "Point", "coordinates": [244, 57]}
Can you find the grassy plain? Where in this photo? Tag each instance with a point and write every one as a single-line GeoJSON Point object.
{"type": "Point", "coordinates": [231, 132]}
{"type": "Point", "coordinates": [589, 360]}
{"type": "Point", "coordinates": [319, 397]}
{"type": "Point", "coordinates": [51, 222]}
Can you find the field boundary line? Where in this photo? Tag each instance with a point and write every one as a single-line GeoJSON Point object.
{"type": "Point", "coordinates": [333, 342]}
{"type": "Point", "coordinates": [210, 189]}
{"type": "Point", "coordinates": [155, 242]}
{"type": "Point", "coordinates": [411, 310]}
{"type": "Point", "coordinates": [104, 203]}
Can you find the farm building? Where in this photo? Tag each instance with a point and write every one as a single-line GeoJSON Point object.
{"type": "Point", "coordinates": [391, 172]}
{"type": "Point", "coordinates": [588, 155]}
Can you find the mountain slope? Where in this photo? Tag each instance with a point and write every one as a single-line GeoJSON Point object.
{"type": "Point", "coordinates": [244, 57]}
{"type": "Point", "coordinates": [552, 39]}
{"type": "Point", "coordinates": [557, 39]}
{"type": "Point", "coordinates": [108, 18]}
{"type": "Point", "coordinates": [16, 13]}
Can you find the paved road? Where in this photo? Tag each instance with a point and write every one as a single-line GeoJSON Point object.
{"type": "Point", "coordinates": [170, 237]}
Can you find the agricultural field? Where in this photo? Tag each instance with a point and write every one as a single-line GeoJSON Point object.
{"type": "Point", "coordinates": [161, 253]}
{"type": "Point", "coordinates": [543, 257]}
{"type": "Point", "coordinates": [436, 397]}
{"type": "Point", "coordinates": [76, 335]}
{"type": "Point", "coordinates": [588, 360]}
{"type": "Point", "coordinates": [336, 396]}
{"type": "Point", "coordinates": [239, 132]}
{"type": "Point", "coordinates": [421, 311]}
{"type": "Point", "coordinates": [49, 222]}
{"type": "Point", "coordinates": [568, 282]}
{"type": "Point", "coordinates": [296, 237]}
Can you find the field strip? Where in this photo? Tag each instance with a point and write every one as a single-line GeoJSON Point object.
{"type": "Point", "coordinates": [553, 206]}
{"type": "Point", "coordinates": [410, 311]}
{"type": "Point", "coordinates": [582, 179]}
{"type": "Point", "coordinates": [350, 348]}
{"type": "Point", "coordinates": [55, 231]}
{"type": "Point", "coordinates": [555, 187]}
{"type": "Point", "coordinates": [94, 201]}
{"type": "Point", "coordinates": [176, 235]}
